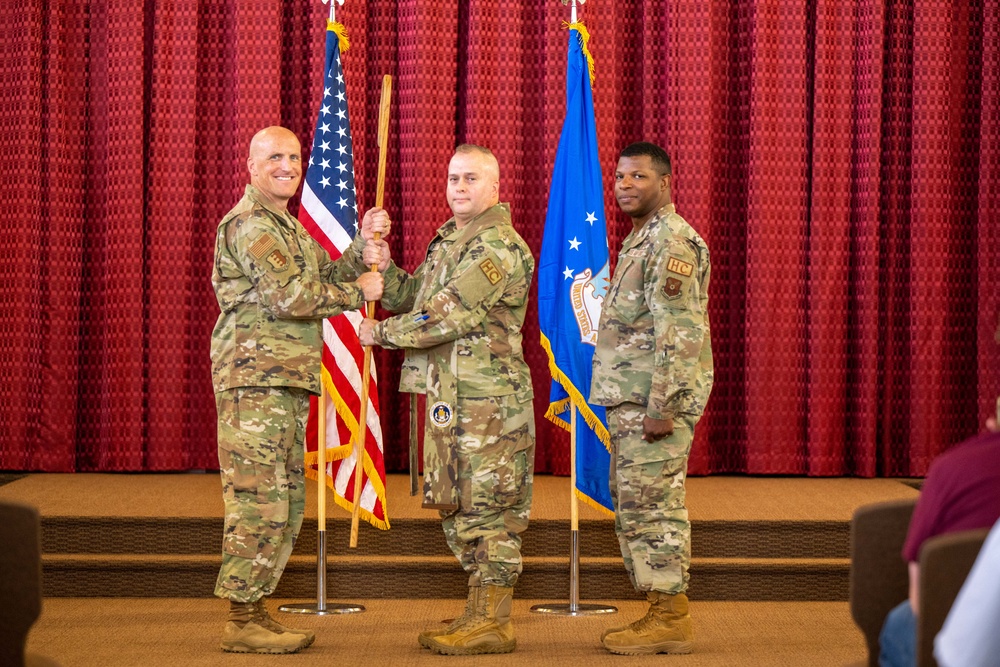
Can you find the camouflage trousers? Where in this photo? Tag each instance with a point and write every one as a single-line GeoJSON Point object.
{"type": "Point", "coordinates": [261, 450]}
{"type": "Point", "coordinates": [647, 488]}
{"type": "Point", "coordinates": [496, 462]}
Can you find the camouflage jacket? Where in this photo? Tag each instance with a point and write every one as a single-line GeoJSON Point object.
{"type": "Point", "coordinates": [274, 284]}
{"type": "Point", "coordinates": [654, 345]}
{"type": "Point", "coordinates": [468, 297]}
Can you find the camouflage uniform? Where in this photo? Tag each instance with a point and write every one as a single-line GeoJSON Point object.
{"type": "Point", "coordinates": [274, 285]}
{"type": "Point", "coordinates": [465, 305]}
{"type": "Point", "coordinates": [654, 358]}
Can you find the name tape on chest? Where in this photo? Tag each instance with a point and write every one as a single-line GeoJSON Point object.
{"type": "Point", "coordinates": [492, 271]}
{"type": "Point", "coordinates": [679, 267]}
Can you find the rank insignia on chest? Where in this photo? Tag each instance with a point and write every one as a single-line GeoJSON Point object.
{"type": "Point", "coordinates": [441, 414]}
{"type": "Point", "coordinates": [277, 261]}
{"type": "Point", "coordinates": [679, 267]}
{"type": "Point", "coordinates": [493, 274]}
{"type": "Point", "coordinates": [672, 287]}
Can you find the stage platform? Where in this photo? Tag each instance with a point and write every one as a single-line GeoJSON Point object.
{"type": "Point", "coordinates": [159, 535]}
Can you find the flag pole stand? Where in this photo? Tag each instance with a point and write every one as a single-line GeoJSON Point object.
{"type": "Point", "coordinates": [573, 608]}
{"type": "Point", "coordinates": [322, 607]}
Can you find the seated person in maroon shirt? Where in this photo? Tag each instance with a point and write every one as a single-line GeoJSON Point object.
{"type": "Point", "coordinates": [961, 492]}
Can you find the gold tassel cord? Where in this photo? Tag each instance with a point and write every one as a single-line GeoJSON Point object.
{"type": "Point", "coordinates": [340, 30]}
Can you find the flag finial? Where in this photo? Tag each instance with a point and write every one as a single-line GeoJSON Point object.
{"type": "Point", "coordinates": [573, 3]}
{"type": "Point", "coordinates": [333, 7]}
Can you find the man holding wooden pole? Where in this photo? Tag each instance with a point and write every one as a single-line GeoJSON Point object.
{"type": "Point", "coordinates": [274, 284]}
{"type": "Point", "coordinates": [464, 307]}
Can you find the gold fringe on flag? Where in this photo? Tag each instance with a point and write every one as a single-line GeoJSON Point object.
{"type": "Point", "coordinates": [593, 503]}
{"type": "Point", "coordinates": [341, 31]}
{"type": "Point", "coordinates": [575, 399]}
{"type": "Point", "coordinates": [584, 37]}
{"type": "Point", "coordinates": [342, 452]}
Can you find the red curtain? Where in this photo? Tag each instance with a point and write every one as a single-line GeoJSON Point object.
{"type": "Point", "coordinates": [841, 160]}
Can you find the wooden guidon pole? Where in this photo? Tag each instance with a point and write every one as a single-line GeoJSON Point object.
{"type": "Point", "coordinates": [359, 440]}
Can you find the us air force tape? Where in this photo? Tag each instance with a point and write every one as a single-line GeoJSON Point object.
{"type": "Point", "coordinates": [441, 414]}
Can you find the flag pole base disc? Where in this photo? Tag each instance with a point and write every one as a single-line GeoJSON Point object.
{"type": "Point", "coordinates": [566, 609]}
{"type": "Point", "coordinates": [327, 610]}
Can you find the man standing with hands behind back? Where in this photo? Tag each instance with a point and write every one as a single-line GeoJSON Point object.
{"type": "Point", "coordinates": [464, 307]}
{"type": "Point", "coordinates": [653, 371]}
{"type": "Point", "coordinates": [274, 284]}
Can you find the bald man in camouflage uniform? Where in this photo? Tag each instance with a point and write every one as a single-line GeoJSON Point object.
{"type": "Point", "coordinates": [653, 370]}
{"type": "Point", "coordinates": [465, 306]}
{"type": "Point", "coordinates": [274, 285]}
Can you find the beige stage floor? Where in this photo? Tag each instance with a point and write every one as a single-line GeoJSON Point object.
{"type": "Point", "coordinates": [709, 498]}
{"type": "Point", "coordinates": [89, 632]}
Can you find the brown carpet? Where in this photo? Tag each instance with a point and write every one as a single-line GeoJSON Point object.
{"type": "Point", "coordinates": [200, 495]}
{"type": "Point", "coordinates": [176, 632]}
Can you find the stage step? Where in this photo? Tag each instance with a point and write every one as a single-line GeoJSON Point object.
{"type": "Point", "coordinates": [779, 539]}
{"type": "Point", "coordinates": [158, 575]}
{"type": "Point", "coordinates": [544, 537]}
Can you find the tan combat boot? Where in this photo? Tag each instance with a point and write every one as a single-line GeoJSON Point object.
{"type": "Point", "coordinates": [244, 633]}
{"type": "Point", "coordinates": [266, 620]}
{"type": "Point", "coordinates": [666, 628]}
{"type": "Point", "coordinates": [489, 630]}
{"type": "Point", "coordinates": [471, 604]}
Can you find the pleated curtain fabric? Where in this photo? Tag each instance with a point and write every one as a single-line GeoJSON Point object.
{"type": "Point", "coordinates": [841, 160]}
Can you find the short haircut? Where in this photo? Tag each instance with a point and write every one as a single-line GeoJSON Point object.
{"type": "Point", "coordinates": [657, 155]}
{"type": "Point", "coordinates": [474, 148]}
{"type": "Point", "coordinates": [469, 149]}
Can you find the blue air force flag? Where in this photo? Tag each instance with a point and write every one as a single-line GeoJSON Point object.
{"type": "Point", "coordinates": [573, 276]}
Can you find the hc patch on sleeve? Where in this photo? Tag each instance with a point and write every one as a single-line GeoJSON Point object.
{"type": "Point", "coordinates": [493, 274]}
{"type": "Point", "coordinates": [262, 245]}
{"type": "Point", "coordinates": [679, 267]}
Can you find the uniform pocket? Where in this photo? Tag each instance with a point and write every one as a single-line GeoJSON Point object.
{"type": "Point", "coordinates": [510, 479]}
{"type": "Point", "coordinates": [242, 480]}
{"type": "Point", "coordinates": [246, 425]}
{"type": "Point", "coordinates": [626, 300]}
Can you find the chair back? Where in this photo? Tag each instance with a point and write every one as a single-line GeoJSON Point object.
{"type": "Point", "coordinates": [945, 562]}
{"type": "Point", "coordinates": [879, 577]}
{"type": "Point", "coordinates": [20, 578]}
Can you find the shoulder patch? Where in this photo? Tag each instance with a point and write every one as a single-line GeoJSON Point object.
{"type": "Point", "coordinates": [672, 288]}
{"type": "Point", "coordinates": [277, 261]}
{"type": "Point", "coordinates": [493, 273]}
{"type": "Point", "coordinates": [679, 267]}
{"type": "Point", "coordinates": [262, 245]}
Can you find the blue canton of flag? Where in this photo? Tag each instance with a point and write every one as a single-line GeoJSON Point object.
{"type": "Point", "coordinates": [329, 186]}
{"type": "Point", "coordinates": [573, 276]}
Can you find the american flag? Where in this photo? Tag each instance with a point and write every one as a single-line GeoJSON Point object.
{"type": "Point", "coordinates": [329, 211]}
